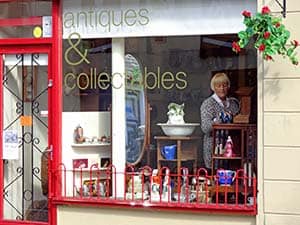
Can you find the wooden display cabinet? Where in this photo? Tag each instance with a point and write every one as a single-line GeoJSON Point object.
{"type": "Point", "coordinates": [244, 147]}
{"type": "Point", "coordinates": [186, 150]}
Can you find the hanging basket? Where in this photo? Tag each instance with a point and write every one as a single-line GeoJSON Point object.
{"type": "Point", "coordinates": [269, 34]}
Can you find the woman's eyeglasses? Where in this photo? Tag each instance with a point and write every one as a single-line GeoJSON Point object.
{"type": "Point", "coordinates": [223, 85]}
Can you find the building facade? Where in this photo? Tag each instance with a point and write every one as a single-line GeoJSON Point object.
{"type": "Point", "coordinates": [85, 96]}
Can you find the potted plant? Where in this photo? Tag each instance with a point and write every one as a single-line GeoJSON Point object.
{"type": "Point", "coordinates": [175, 113]}
{"type": "Point", "coordinates": [270, 36]}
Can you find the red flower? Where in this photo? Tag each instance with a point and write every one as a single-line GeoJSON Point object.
{"type": "Point", "coordinates": [262, 47]}
{"type": "Point", "coordinates": [246, 13]}
{"type": "Point", "coordinates": [296, 43]}
{"type": "Point", "coordinates": [267, 35]}
{"type": "Point", "coordinates": [236, 47]}
{"type": "Point", "coordinates": [268, 57]}
{"type": "Point", "coordinates": [265, 10]}
{"type": "Point", "coordinates": [277, 24]}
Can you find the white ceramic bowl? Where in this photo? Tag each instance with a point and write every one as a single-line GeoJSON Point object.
{"type": "Point", "coordinates": [185, 129]}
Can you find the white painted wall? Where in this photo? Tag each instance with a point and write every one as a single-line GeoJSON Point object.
{"type": "Point", "coordinates": [94, 124]}
{"type": "Point", "coordinates": [117, 216]}
{"type": "Point", "coordinates": [279, 177]}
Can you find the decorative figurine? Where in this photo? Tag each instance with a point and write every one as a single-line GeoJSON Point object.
{"type": "Point", "coordinates": [78, 135]}
{"type": "Point", "coordinates": [225, 117]}
{"type": "Point", "coordinates": [155, 183]}
{"type": "Point", "coordinates": [135, 188]}
{"type": "Point", "coordinates": [228, 147]}
{"type": "Point", "coordinates": [166, 190]}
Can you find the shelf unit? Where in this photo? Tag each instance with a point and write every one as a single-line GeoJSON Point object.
{"type": "Point", "coordinates": [244, 146]}
{"type": "Point", "coordinates": [87, 145]}
{"type": "Point", "coordinates": [186, 150]}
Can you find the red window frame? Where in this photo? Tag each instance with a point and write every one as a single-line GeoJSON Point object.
{"type": "Point", "coordinates": [59, 169]}
{"type": "Point", "coordinates": [53, 47]}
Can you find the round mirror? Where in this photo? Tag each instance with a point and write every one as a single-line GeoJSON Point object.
{"type": "Point", "coordinates": [136, 128]}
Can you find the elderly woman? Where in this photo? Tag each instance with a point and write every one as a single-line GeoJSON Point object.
{"type": "Point", "coordinates": [215, 109]}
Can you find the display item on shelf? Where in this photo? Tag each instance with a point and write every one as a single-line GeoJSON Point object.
{"type": "Point", "coordinates": [229, 148]}
{"type": "Point", "coordinates": [78, 135]}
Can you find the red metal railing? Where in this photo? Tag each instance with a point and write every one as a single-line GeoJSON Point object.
{"type": "Point", "coordinates": [152, 188]}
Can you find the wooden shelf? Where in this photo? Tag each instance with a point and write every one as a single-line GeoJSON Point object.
{"type": "Point", "coordinates": [233, 126]}
{"type": "Point", "coordinates": [240, 134]}
{"type": "Point", "coordinates": [175, 160]}
{"type": "Point", "coordinates": [187, 148]}
{"type": "Point", "coordinates": [223, 157]}
{"type": "Point", "coordinates": [87, 145]}
{"type": "Point", "coordinates": [175, 138]}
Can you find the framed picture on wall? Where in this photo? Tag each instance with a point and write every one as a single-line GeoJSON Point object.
{"type": "Point", "coordinates": [80, 163]}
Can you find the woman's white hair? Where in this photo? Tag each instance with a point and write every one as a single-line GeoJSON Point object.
{"type": "Point", "coordinates": [219, 78]}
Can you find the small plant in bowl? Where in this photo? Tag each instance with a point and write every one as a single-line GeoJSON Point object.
{"type": "Point", "coordinates": [175, 113]}
{"type": "Point", "coordinates": [176, 125]}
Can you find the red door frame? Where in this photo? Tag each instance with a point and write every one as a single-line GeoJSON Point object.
{"type": "Point", "coordinates": [53, 47]}
{"type": "Point", "coordinates": [46, 49]}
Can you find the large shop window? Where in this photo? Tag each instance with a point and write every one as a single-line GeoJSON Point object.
{"type": "Point", "coordinates": [191, 115]}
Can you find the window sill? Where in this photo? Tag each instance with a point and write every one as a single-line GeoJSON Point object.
{"type": "Point", "coordinates": [228, 209]}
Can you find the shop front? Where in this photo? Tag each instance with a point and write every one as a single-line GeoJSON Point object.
{"type": "Point", "coordinates": [106, 114]}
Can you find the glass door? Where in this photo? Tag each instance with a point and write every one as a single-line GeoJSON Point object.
{"type": "Point", "coordinates": [25, 144]}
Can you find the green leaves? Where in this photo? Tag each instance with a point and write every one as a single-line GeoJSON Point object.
{"type": "Point", "coordinates": [269, 34]}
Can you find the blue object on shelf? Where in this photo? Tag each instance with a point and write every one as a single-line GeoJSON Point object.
{"type": "Point", "coordinates": [169, 151]}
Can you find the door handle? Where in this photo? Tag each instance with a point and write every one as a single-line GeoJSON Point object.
{"type": "Point", "coordinates": [50, 151]}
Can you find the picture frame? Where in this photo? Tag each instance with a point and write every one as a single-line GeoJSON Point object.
{"type": "Point", "coordinates": [105, 162]}
{"type": "Point", "coordinates": [80, 163]}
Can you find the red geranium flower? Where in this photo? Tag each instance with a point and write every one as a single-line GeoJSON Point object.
{"type": "Point", "coordinates": [265, 10]}
{"type": "Point", "coordinates": [262, 47]}
{"type": "Point", "coordinates": [267, 35]}
{"type": "Point", "coordinates": [277, 24]}
{"type": "Point", "coordinates": [296, 43]}
{"type": "Point", "coordinates": [268, 57]}
{"type": "Point", "coordinates": [246, 13]}
{"type": "Point", "coordinates": [236, 47]}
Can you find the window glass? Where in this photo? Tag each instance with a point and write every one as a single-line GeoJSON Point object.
{"type": "Point", "coordinates": [21, 19]}
{"type": "Point", "coordinates": [179, 70]}
{"type": "Point", "coordinates": [200, 110]}
{"type": "Point", "coordinates": [190, 109]}
{"type": "Point", "coordinates": [86, 119]}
